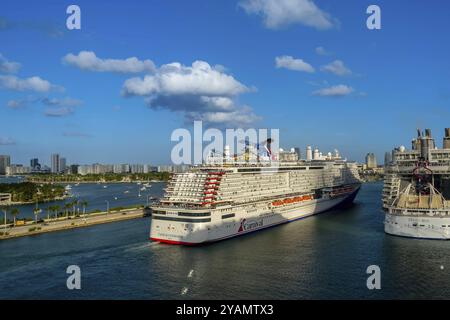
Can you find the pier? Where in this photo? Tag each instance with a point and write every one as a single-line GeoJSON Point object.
{"type": "Point", "coordinates": [64, 223]}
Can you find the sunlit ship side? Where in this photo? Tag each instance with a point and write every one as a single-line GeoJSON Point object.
{"type": "Point", "coordinates": [417, 190]}
{"type": "Point", "coordinates": [216, 202]}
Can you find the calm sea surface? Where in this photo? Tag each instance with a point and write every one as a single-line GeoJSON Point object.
{"type": "Point", "coordinates": [322, 257]}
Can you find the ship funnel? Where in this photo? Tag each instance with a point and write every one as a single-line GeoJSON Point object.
{"type": "Point", "coordinates": [426, 145]}
{"type": "Point", "coordinates": [446, 144]}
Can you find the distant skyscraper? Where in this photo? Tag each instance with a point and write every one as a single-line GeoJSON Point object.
{"type": "Point", "coordinates": [55, 163]}
{"type": "Point", "coordinates": [34, 164]}
{"type": "Point", "coordinates": [297, 151]}
{"type": "Point", "coordinates": [62, 164]}
{"type": "Point", "coordinates": [387, 158]}
{"type": "Point", "coordinates": [371, 161]}
{"type": "Point", "coordinates": [5, 161]}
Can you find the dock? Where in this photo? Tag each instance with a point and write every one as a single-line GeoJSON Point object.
{"type": "Point", "coordinates": [61, 224]}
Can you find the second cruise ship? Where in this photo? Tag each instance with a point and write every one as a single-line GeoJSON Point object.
{"type": "Point", "coordinates": [213, 201]}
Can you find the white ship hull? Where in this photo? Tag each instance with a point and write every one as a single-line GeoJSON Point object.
{"type": "Point", "coordinates": [418, 227]}
{"type": "Point", "coordinates": [171, 232]}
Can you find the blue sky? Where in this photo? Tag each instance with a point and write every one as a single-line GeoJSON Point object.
{"type": "Point", "coordinates": [369, 90]}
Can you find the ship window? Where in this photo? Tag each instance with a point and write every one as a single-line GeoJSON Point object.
{"type": "Point", "coordinates": [182, 219]}
{"type": "Point", "coordinates": [226, 216]}
{"type": "Point", "coordinates": [194, 214]}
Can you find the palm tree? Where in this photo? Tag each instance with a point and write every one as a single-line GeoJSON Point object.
{"type": "Point", "coordinates": [5, 210]}
{"type": "Point", "coordinates": [74, 203]}
{"type": "Point", "coordinates": [66, 208]}
{"type": "Point", "coordinates": [56, 208]}
{"type": "Point", "coordinates": [84, 203]}
{"type": "Point", "coordinates": [36, 212]}
{"type": "Point", "coordinates": [48, 209]}
{"type": "Point", "coordinates": [15, 212]}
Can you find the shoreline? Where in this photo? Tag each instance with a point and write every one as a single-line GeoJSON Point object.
{"type": "Point", "coordinates": [72, 223]}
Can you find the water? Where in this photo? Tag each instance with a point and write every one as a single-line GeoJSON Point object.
{"type": "Point", "coordinates": [322, 257]}
{"type": "Point", "coordinates": [96, 196]}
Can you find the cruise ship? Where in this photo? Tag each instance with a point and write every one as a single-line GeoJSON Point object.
{"type": "Point", "coordinates": [416, 193]}
{"type": "Point", "coordinates": [214, 202]}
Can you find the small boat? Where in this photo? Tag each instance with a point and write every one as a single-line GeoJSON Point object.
{"type": "Point", "coordinates": [105, 187]}
{"type": "Point", "coordinates": [143, 188]}
{"type": "Point", "coordinates": [147, 185]}
{"type": "Point", "coordinates": [115, 198]}
{"type": "Point", "coordinates": [68, 187]}
{"type": "Point", "coordinates": [127, 191]}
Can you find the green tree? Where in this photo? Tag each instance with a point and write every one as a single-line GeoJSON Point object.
{"type": "Point", "coordinates": [84, 203]}
{"type": "Point", "coordinates": [36, 212]}
{"type": "Point", "coordinates": [57, 208]}
{"type": "Point", "coordinates": [15, 212]}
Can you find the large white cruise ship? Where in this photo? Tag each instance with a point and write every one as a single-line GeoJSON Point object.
{"type": "Point", "coordinates": [213, 202]}
{"type": "Point", "coordinates": [416, 194]}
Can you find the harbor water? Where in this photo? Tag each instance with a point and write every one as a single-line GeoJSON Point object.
{"type": "Point", "coordinates": [321, 257]}
{"type": "Point", "coordinates": [98, 196]}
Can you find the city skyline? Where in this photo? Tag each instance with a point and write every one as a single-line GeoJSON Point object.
{"type": "Point", "coordinates": [326, 81]}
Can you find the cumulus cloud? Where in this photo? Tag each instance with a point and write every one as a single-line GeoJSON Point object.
{"type": "Point", "coordinates": [199, 91]}
{"type": "Point", "coordinates": [291, 63]}
{"type": "Point", "coordinates": [322, 52]}
{"type": "Point", "coordinates": [28, 84]}
{"type": "Point", "coordinates": [281, 13]}
{"type": "Point", "coordinates": [8, 66]}
{"type": "Point", "coordinates": [334, 91]}
{"type": "Point", "coordinates": [87, 60]}
{"type": "Point", "coordinates": [6, 141]}
{"type": "Point", "coordinates": [336, 67]}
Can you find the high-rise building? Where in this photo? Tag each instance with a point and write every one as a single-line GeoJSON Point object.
{"type": "Point", "coordinates": [62, 164]}
{"type": "Point", "coordinates": [55, 163]}
{"type": "Point", "coordinates": [34, 164]}
{"type": "Point", "coordinates": [371, 161]}
{"type": "Point", "coordinates": [387, 158]}
{"type": "Point", "coordinates": [5, 161]}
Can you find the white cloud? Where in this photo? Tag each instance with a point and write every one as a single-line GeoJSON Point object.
{"type": "Point", "coordinates": [6, 141]}
{"type": "Point", "coordinates": [290, 63]}
{"type": "Point", "coordinates": [199, 91]}
{"type": "Point", "coordinates": [65, 102]}
{"type": "Point", "coordinates": [322, 52]}
{"type": "Point", "coordinates": [28, 84]}
{"type": "Point", "coordinates": [336, 67]}
{"type": "Point", "coordinates": [281, 13]}
{"type": "Point", "coordinates": [8, 66]}
{"type": "Point", "coordinates": [17, 104]}
{"type": "Point", "coordinates": [59, 112]}
{"type": "Point", "coordinates": [334, 91]}
{"type": "Point", "coordinates": [87, 60]}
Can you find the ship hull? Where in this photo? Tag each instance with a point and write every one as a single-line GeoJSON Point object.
{"type": "Point", "coordinates": [249, 224]}
{"type": "Point", "coordinates": [437, 228]}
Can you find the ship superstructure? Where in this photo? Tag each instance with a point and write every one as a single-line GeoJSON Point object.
{"type": "Point", "coordinates": [217, 201]}
{"type": "Point", "coordinates": [416, 193]}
